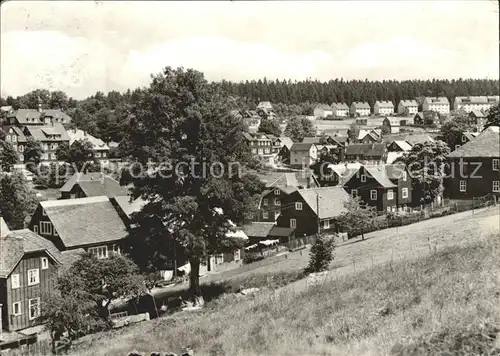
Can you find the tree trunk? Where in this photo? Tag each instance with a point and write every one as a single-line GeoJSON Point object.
{"type": "Point", "coordinates": [362, 235]}
{"type": "Point", "coordinates": [194, 278]}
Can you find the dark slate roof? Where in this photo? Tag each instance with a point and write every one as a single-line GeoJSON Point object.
{"type": "Point", "coordinates": [258, 229]}
{"type": "Point", "coordinates": [331, 200]}
{"type": "Point", "coordinates": [20, 135]}
{"type": "Point", "coordinates": [57, 114]}
{"type": "Point", "coordinates": [281, 231]}
{"type": "Point", "coordinates": [26, 116]}
{"type": "Point", "coordinates": [379, 173]}
{"type": "Point", "coordinates": [95, 184]}
{"type": "Point", "coordinates": [361, 105]}
{"type": "Point", "coordinates": [20, 242]}
{"type": "Point", "coordinates": [477, 113]}
{"type": "Point", "coordinates": [408, 102]}
{"type": "Point", "coordinates": [314, 140]}
{"type": "Point", "coordinates": [384, 103]}
{"type": "Point", "coordinates": [470, 135]}
{"type": "Point", "coordinates": [129, 207]}
{"type": "Point", "coordinates": [485, 145]}
{"type": "Point", "coordinates": [376, 149]}
{"type": "Point", "coordinates": [40, 133]}
{"type": "Point", "coordinates": [85, 221]}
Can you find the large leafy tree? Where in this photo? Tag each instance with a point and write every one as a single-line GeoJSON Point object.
{"type": "Point", "coordinates": [79, 154]}
{"type": "Point", "coordinates": [357, 218]}
{"type": "Point", "coordinates": [270, 127]}
{"type": "Point", "coordinates": [298, 128]}
{"type": "Point", "coordinates": [33, 151]}
{"type": "Point", "coordinates": [452, 130]}
{"type": "Point", "coordinates": [8, 156]}
{"type": "Point", "coordinates": [493, 117]}
{"type": "Point", "coordinates": [183, 126]}
{"type": "Point", "coordinates": [426, 163]}
{"type": "Point", "coordinates": [17, 201]}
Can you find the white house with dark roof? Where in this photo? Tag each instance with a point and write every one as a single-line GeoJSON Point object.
{"type": "Point", "coordinates": [340, 110]}
{"type": "Point", "coordinates": [322, 110]}
{"type": "Point", "coordinates": [360, 109]}
{"type": "Point", "coordinates": [436, 104]}
{"type": "Point", "coordinates": [383, 107]}
{"type": "Point", "coordinates": [303, 154]}
{"type": "Point", "coordinates": [91, 224]}
{"type": "Point", "coordinates": [473, 103]}
{"type": "Point", "coordinates": [407, 107]}
{"type": "Point", "coordinates": [100, 148]}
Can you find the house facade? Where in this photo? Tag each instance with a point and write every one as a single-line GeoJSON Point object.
{"type": "Point", "coordinates": [392, 124]}
{"type": "Point", "coordinates": [407, 107]}
{"type": "Point", "coordinates": [311, 209]}
{"type": "Point", "coordinates": [436, 104]}
{"type": "Point", "coordinates": [100, 148]}
{"type": "Point", "coordinates": [303, 154]}
{"type": "Point", "coordinates": [15, 136]}
{"type": "Point", "coordinates": [340, 110]}
{"type": "Point", "coordinates": [261, 145]}
{"type": "Point", "coordinates": [91, 224]}
{"type": "Point", "coordinates": [29, 267]}
{"type": "Point", "coordinates": [475, 167]}
{"type": "Point", "coordinates": [270, 203]}
{"type": "Point", "coordinates": [322, 110]}
{"type": "Point", "coordinates": [49, 136]}
{"type": "Point", "coordinates": [358, 109]}
{"type": "Point", "coordinates": [475, 103]}
{"type": "Point", "coordinates": [375, 152]}
{"type": "Point", "coordinates": [463, 139]}
{"type": "Point", "coordinates": [383, 107]}
{"type": "Point", "coordinates": [476, 118]}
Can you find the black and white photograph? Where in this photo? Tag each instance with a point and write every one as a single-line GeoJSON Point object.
{"type": "Point", "coordinates": [251, 178]}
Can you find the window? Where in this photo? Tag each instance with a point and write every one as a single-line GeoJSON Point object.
{"type": "Point", "coordinates": [33, 276]}
{"type": "Point", "coordinates": [14, 281]}
{"type": "Point", "coordinates": [404, 176]}
{"type": "Point", "coordinates": [237, 255]}
{"type": "Point", "coordinates": [34, 307]}
{"type": "Point", "coordinates": [298, 206]}
{"type": "Point", "coordinates": [264, 202]}
{"type": "Point", "coordinates": [35, 229]}
{"type": "Point", "coordinates": [363, 179]}
{"type": "Point", "coordinates": [390, 194]}
{"type": "Point", "coordinates": [219, 258]}
{"type": "Point", "coordinates": [464, 139]}
{"type": "Point", "coordinates": [45, 263]}
{"type": "Point", "coordinates": [277, 192]}
{"type": "Point", "coordinates": [326, 224]}
{"type": "Point", "coordinates": [277, 202]}
{"type": "Point", "coordinates": [99, 252]}
{"type": "Point", "coordinates": [354, 193]}
{"type": "Point", "coordinates": [45, 228]}
{"type": "Point", "coordinates": [276, 215]}
{"type": "Point", "coordinates": [16, 308]}
{"type": "Point", "coordinates": [7, 138]}
{"type": "Point", "coordinates": [104, 154]}
{"type": "Point", "coordinates": [117, 250]}
{"type": "Point", "coordinates": [293, 223]}
{"type": "Point", "coordinates": [265, 215]}
{"type": "Point", "coordinates": [98, 154]}
{"type": "Point", "coordinates": [496, 164]}
{"type": "Point", "coordinates": [14, 138]}
{"type": "Point", "coordinates": [496, 186]}
{"type": "Point", "coordinates": [404, 193]}
{"type": "Point", "coordinates": [373, 194]}
{"type": "Point", "coordinates": [463, 186]}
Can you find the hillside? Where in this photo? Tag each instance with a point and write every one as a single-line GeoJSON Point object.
{"type": "Point", "coordinates": [448, 297]}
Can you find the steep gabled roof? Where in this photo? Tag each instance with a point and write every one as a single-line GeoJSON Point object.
{"type": "Point", "coordinates": [301, 146]}
{"type": "Point", "coordinates": [258, 229]}
{"type": "Point", "coordinates": [286, 141]}
{"type": "Point", "coordinates": [26, 116]}
{"type": "Point", "coordinates": [127, 206]}
{"type": "Point", "coordinates": [20, 242]}
{"type": "Point", "coordinates": [384, 104]}
{"type": "Point", "coordinates": [370, 149]}
{"type": "Point", "coordinates": [379, 173]}
{"type": "Point", "coordinates": [311, 139]}
{"type": "Point", "coordinates": [330, 199]}
{"type": "Point", "coordinates": [408, 103]}
{"type": "Point", "coordinates": [40, 133]}
{"type": "Point", "coordinates": [360, 105]}
{"type": "Point", "coordinates": [441, 100]}
{"type": "Point", "coordinates": [80, 135]}
{"type": "Point", "coordinates": [485, 145]}
{"type": "Point", "coordinates": [94, 184]}
{"type": "Point", "coordinates": [58, 115]}
{"type": "Point", "coordinates": [405, 146]}
{"type": "Point", "coordinates": [340, 106]}
{"type": "Point", "coordinates": [85, 221]}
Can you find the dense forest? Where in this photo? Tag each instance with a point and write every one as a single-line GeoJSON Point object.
{"type": "Point", "coordinates": [106, 115]}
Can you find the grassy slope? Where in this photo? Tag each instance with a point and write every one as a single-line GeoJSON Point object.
{"type": "Point", "coordinates": [364, 313]}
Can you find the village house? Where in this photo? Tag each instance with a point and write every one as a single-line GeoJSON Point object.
{"type": "Point", "coordinates": [476, 118]}
{"type": "Point", "coordinates": [15, 136]}
{"type": "Point", "coordinates": [369, 136]}
{"type": "Point", "coordinates": [303, 154]}
{"type": "Point", "coordinates": [426, 118]}
{"type": "Point", "coordinates": [407, 107]}
{"type": "Point", "coordinates": [396, 149]}
{"type": "Point", "coordinates": [93, 184]}
{"type": "Point", "coordinates": [25, 117]}
{"type": "Point", "coordinates": [358, 109]}
{"type": "Point", "coordinates": [340, 110]}
{"type": "Point", "coordinates": [322, 110]}
{"type": "Point", "coordinates": [331, 175]}
{"type": "Point", "coordinates": [308, 210]}
{"type": "Point", "coordinates": [392, 124]}
{"type": "Point", "coordinates": [440, 105]}
{"type": "Point", "coordinates": [463, 139]}
{"type": "Point", "coordinates": [475, 167]}
{"type": "Point", "coordinates": [366, 153]}
{"type": "Point", "coordinates": [91, 224]}
{"type": "Point", "coordinates": [411, 138]}
{"type": "Point", "coordinates": [265, 110]}
{"type": "Point", "coordinates": [261, 145]}
{"type": "Point", "coordinates": [385, 187]}
{"type": "Point", "coordinates": [29, 266]}
{"type": "Point", "coordinates": [49, 136]}
{"type": "Point", "coordinates": [100, 148]}
{"type": "Point", "coordinates": [475, 103]}
{"type": "Point", "coordinates": [383, 107]}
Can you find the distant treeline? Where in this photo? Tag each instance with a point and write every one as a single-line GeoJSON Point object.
{"type": "Point", "coordinates": [338, 90]}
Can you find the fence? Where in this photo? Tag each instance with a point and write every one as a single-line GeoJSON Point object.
{"type": "Point", "coordinates": [301, 242]}
{"type": "Point", "coordinates": [37, 348]}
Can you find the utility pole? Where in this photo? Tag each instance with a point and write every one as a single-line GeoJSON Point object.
{"type": "Point", "coordinates": [317, 212]}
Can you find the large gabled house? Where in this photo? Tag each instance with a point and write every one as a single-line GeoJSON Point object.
{"type": "Point", "coordinates": [340, 110]}
{"type": "Point", "coordinates": [15, 136]}
{"type": "Point", "coordinates": [91, 224]}
{"type": "Point", "coordinates": [100, 148]}
{"type": "Point", "coordinates": [375, 153]}
{"type": "Point", "coordinates": [94, 184]}
{"type": "Point", "coordinates": [29, 266]}
{"type": "Point", "coordinates": [358, 109]}
{"type": "Point", "coordinates": [49, 136]}
{"type": "Point", "coordinates": [383, 107]}
{"type": "Point", "coordinates": [385, 187]}
{"type": "Point", "coordinates": [472, 103]}
{"type": "Point", "coordinates": [407, 107]}
{"type": "Point", "coordinates": [322, 110]}
{"type": "Point", "coordinates": [32, 117]}
{"type": "Point", "coordinates": [307, 210]}
{"type": "Point", "coordinates": [303, 154]}
{"type": "Point", "coordinates": [475, 167]}
{"type": "Point", "coordinates": [439, 104]}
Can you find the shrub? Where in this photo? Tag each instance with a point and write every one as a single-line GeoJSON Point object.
{"type": "Point", "coordinates": [321, 254]}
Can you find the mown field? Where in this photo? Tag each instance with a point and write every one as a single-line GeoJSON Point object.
{"type": "Point", "coordinates": [416, 290]}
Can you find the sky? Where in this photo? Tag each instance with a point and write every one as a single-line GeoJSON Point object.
{"type": "Point", "coordinates": [83, 47]}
